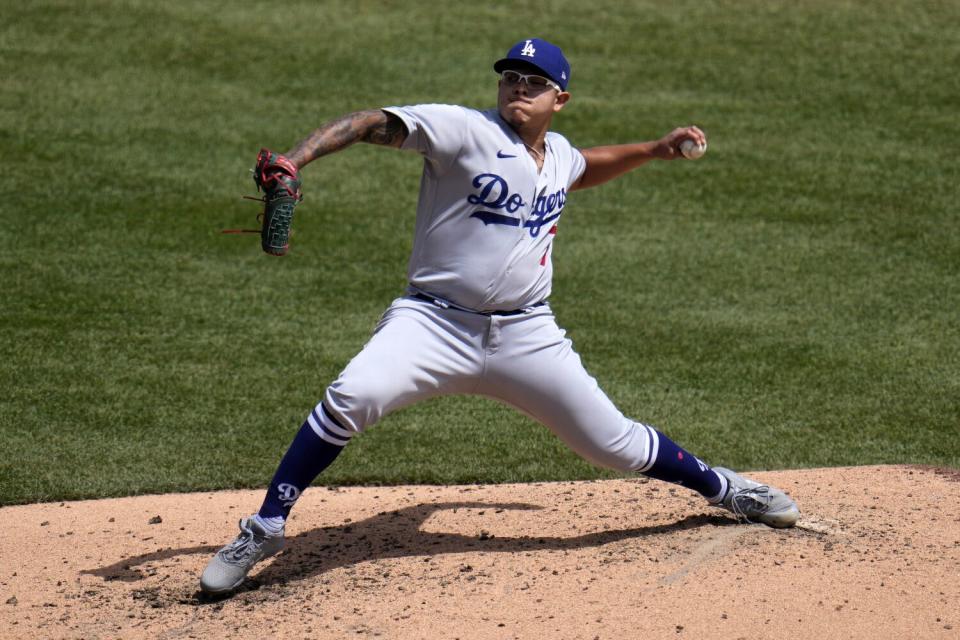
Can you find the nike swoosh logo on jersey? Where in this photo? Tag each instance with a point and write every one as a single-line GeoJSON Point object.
{"type": "Point", "coordinates": [501, 154]}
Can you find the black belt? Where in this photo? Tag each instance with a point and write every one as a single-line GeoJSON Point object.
{"type": "Point", "coordinates": [444, 304]}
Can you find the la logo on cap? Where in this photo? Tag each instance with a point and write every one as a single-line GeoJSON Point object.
{"type": "Point", "coordinates": [528, 49]}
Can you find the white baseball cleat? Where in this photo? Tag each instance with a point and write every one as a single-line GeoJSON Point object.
{"type": "Point", "coordinates": [755, 502]}
{"type": "Point", "coordinates": [229, 567]}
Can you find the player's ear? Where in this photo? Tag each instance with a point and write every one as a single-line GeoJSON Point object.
{"type": "Point", "coordinates": [562, 98]}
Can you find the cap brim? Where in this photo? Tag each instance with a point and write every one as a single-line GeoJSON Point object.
{"type": "Point", "coordinates": [504, 63]}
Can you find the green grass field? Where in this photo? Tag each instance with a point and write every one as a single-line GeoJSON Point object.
{"type": "Point", "coordinates": [791, 300]}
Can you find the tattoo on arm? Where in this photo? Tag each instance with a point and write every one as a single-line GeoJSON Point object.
{"type": "Point", "coordinates": [373, 126]}
{"type": "Point", "coordinates": [389, 131]}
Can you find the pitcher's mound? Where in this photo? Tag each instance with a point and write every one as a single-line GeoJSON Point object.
{"type": "Point", "coordinates": [876, 555]}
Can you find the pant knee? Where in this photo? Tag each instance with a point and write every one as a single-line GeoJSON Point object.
{"type": "Point", "coordinates": [359, 402]}
{"type": "Point", "coordinates": [354, 412]}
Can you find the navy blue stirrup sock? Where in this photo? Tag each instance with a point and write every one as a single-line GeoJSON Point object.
{"type": "Point", "coordinates": [308, 455]}
{"type": "Point", "coordinates": [674, 464]}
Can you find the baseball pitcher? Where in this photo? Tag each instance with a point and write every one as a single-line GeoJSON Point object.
{"type": "Point", "coordinates": [475, 318]}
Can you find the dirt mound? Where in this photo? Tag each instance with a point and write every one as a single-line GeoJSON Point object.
{"type": "Point", "coordinates": [876, 555]}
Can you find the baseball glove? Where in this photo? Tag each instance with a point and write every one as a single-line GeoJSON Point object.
{"type": "Point", "coordinates": [279, 181]}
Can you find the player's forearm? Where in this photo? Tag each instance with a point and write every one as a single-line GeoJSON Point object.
{"type": "Point", "coordinates": [606, 163]}
{"type": "Point", "coordinates": [373, 126]}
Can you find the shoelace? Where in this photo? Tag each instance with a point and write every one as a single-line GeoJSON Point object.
{"type": "Point", "coordinates": [758, 495]}
{"type": "Point", "coordinates": [242, 546]}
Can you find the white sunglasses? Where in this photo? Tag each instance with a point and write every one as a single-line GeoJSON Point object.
{"type": "Point", "coordinates": [533, 81]}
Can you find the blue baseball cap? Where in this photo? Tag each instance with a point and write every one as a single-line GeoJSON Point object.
{"type": "Point", "coordinates": [543, 55]}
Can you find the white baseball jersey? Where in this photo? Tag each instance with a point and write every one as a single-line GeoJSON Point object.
{"type": "Point", "coordinates": [486, 217]}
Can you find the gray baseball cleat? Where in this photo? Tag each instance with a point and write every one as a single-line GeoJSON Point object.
{"type": "Point", "coordinates": [755, 502]}
{"type": "Point", "coordinates": [229, 567]}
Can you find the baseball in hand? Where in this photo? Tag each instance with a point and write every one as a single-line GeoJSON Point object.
{"type": "Point", "coordinates": [691, 150]}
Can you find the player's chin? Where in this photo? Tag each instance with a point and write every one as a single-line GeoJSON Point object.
{"type": "Point", "coordinates": [515, 113]}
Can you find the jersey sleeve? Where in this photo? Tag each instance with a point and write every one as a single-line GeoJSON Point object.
{"type": "Point", "coordinates": [434, 130]}
{"type": "Point", "coordinates": [578, 165]}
